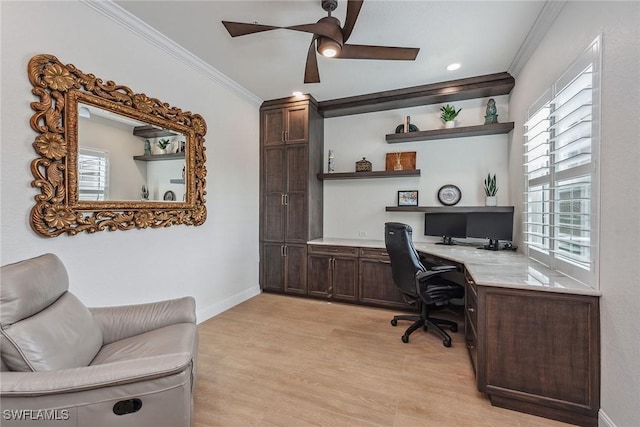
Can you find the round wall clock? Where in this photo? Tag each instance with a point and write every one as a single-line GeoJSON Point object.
{"type": "Point", "coordinates": [449, 195]}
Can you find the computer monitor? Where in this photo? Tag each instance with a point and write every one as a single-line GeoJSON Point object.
{"type": "Point", "coordinates": [445, 225]}
{"type": "Point", "coordinates": [494, 226]}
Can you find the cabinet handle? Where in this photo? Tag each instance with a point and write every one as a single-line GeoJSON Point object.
{"type": "Point", "coordinates": [471, 309]}
{"type": "Point", "coordinates": [286, 199]}
{"type": "Point", "coordinates": [384, 262]}
{"type": "Point", "coordinates": [284, 250]}
{"type": "Point", "coordinates": [285, 135]}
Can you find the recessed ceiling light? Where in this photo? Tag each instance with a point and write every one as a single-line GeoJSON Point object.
{"type": "Point", "coordinates": [297, 93]}
{"type": "Point", "coordinates": [453, 67]}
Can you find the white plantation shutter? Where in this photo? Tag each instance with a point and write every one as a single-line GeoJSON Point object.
{"type": "Point", "coordinates": [93, 174]}
{"type": "Point", "coordinates": [561, 174]}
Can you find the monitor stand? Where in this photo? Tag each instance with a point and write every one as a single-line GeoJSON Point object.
{"type": "Point", "coordinates": [446, 240]}
{"type": "Point", "coordinates": [494, 245]}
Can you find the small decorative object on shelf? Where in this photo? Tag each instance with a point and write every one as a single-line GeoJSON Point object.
{"type": "Point", "coordinates": [144, 193]}
{"type": "Point", "coordinates": [449, 115]}
{"type": "Point", "coordinates": [147, 147]}
{"type": "Point", "coordinates": [491, 115]}
{"type": "Point", "coordinates": [490, 190]}
{"type": "Point", "coordinates": [163, 143]}
{"type": "Point", "coordinates": [330, 166]}
{"type": "Point", "coordinates": [449, 195]}
{"type": "Point", "coordinates": [412, 128]}
{"type": "Point", "coordinates": [408, 198]}
{"type": "Point", "coordinates": [363, 165]}
{"type": "Point", "coordinates": [398, 165]}
{"type": "Point", "coordinates": [398, 161]}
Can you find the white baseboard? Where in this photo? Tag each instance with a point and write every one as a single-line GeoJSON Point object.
{"type": "Point", "coordinates": [206, 313]}
{"type": "Point", "coordinates": [604, 420]}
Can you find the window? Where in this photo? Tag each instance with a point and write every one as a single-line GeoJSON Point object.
{"type": "Point", "coordinates": [93, 174]}
{"type": "Point", "coordinates": [561, 172]}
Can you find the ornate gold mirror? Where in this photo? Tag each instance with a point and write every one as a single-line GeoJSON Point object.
{"type": "Point", "coordinates": [110, 158]}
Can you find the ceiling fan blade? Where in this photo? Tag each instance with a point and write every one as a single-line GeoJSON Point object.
{"type": "Point", "coordinates": [236, 29]}
{"type": "Point", "coordinates": [357, 51]}
{"type": "Point", "coordinates": [353, 10]}
{"type": "Point", "coordinates": [320, 29]}
{"type": "Point", "coordinates": [311, 73]}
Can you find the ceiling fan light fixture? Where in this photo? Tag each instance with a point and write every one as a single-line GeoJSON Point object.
{"type": "Point", "coordinates": [328, 48]}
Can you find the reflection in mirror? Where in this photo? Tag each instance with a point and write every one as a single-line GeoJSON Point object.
{"type": "Point", "coordinates": [109, 158]}
{"type": "Point", "coordinates": [120, 158]}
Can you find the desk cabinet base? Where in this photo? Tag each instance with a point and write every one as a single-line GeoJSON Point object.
{"type": "Point", "coordinates": [539, 352]}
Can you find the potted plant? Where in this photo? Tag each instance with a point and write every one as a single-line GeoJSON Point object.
{"type": "Point", "coordinates": [163, 143]}
{"type": "Point", "coordinates": [490, 190]}
{"type": "Point", "coordinates": [449, 115]}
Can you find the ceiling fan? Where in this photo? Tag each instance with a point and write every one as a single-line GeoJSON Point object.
{"type": "Point", "coordinates": [330, 39]}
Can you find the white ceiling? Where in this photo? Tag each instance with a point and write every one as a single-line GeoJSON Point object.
{"type": "Point", "coordinates": [484, 36]}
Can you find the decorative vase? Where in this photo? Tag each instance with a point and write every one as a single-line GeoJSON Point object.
{"type": "Point", "coordinates": [155, 149]}
{"type": "Point", "coordinates": [450, 124]}
{"type": "Point", "coordinates": [491, 201]}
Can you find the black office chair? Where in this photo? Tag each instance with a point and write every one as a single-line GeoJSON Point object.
{"type": "Point", "coordinates": [420, 286]}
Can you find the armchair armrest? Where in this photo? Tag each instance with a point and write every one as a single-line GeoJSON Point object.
{"type": "Point", "coordinates": [126, 321]}
{"type": "Point", "coordinates": [92, 377]}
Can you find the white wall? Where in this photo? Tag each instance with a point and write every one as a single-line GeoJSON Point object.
{"type": "Point", "coordinates": [356, 208]}
{"type": "Point", "coordinates": [577, 26]}
{"type": "Point", "coordinates": [216, 262]}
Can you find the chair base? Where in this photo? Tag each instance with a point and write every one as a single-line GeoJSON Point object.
{"type": "Point", "coordinates": [428, 323]}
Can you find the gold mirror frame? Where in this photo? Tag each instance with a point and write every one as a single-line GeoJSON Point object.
{"type": "Point", "coordinates": [58, 210]}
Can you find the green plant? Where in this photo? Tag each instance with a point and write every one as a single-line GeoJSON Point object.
{"type": "Point", "coordinates": [490, 185]}
{"type": "Point", "coordinates": [163, 143]}
{"type": "Point", "coordinates": [449, 113]}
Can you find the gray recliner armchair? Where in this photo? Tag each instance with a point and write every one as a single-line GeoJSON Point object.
{"type": "Point", "coordinates": [70, 365]}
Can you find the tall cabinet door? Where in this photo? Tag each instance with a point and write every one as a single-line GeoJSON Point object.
{"type": "Point", "coordinates": [296, 269]}
{"type": "Point", "coordinates": [272, 263]}
{"type": "Point", "coordinates": [273, 198]}
{"type": "Point", "coordinates": [273, 127]}
{"type": "Point", "coordinates": [297, 124]}
{"type": "Point", "coordinates": [296, 224]}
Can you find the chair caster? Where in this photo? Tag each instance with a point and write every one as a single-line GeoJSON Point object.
{"type": "Point", "coordinates": [447, 343]}
{"type": "Point", "coordinates": [454, 328]}
{"type": "Point", "coordinates": [405, 339]}
{"type": "Point", "coordinates": [394, 322]}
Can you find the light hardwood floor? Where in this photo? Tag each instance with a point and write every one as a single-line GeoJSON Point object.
{"type": "Point", "coordinates": [276, 360]}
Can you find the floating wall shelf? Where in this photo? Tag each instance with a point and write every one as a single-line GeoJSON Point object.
{"type": "Point", "coordinates": [426, 135]}
{"type": "Point", "coordinates": [374, 174]}
{"type": "Point", "coordinates": [449, 209]}
{"type": "Point", "coordinates": [158, 157]}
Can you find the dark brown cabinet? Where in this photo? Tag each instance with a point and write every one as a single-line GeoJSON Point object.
{"type": "Point", "coordinates": [375, 284]}
{"type": "Point", "coordinates": [539, 352]}
{"type": "Point", "coordinates": [333, 272]}
{"type": "Point", "coordinates": [291, 136]}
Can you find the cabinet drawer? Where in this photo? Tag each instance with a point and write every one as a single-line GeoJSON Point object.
{"type": "Point", "coordinates": [374, 253]}
{"type": "Point", "coordinates": [470, 282]}
{"type": "Point", "coordinates": [333, 250]}
{"type": "Point", "coordinates": [471, 308]}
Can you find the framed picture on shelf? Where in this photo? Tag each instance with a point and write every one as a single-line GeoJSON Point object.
{"type": "Point", "coordinates": [408, 198]}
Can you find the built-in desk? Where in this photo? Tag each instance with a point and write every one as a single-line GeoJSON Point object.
{"type": "Point", "coordinates": [532, 333]}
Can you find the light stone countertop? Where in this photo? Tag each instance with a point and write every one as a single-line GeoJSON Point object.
{"type": "Point", "coordinates": [488, 268]}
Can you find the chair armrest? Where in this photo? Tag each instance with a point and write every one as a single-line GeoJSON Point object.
{"type": "Point", "coordinates": [126, 321]}
{"type": "Point", "coordinates": [421, 276]}
{"type": "Point", "coordinates": [92, 377]}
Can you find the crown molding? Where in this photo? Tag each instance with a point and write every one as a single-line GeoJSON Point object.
{"type": "Point", "coordinates": [153, 36]}
{"type": "Point", "coordinates": [545, 19]}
